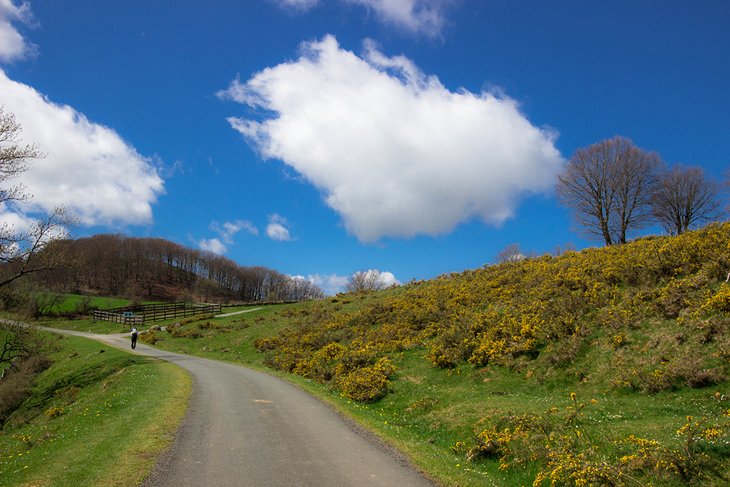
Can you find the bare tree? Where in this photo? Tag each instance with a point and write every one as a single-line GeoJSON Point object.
{"type": "Point", "coordinates": [609, 185]}
{"type": "Point", "coordinates": [13, 157]}
{"type": "Point", "coordinates": [36, 250]}
{"type": "Point", "coordinates": [30, 250]}
{"type": "Point", "coordinates": [18, 342]}
{"type": "Point", "coordinates": [511, 253]}
{"type": "Point", "coordinates": [363, 281]}
{"type": "Point", "coordinates": [684, 198]}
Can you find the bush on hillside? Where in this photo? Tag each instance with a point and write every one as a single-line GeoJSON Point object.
{"type": "Point", "coordinates": [545, 313]}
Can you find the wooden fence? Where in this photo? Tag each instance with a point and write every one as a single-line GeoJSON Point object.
{"type": "Point", "coordinates": [136, 315]}
{"type": "Point", "coordinates": [117, 317]}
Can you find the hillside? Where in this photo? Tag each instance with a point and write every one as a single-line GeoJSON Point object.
{"type": "Point", "coordinates": [607, 366]}
{"type": "Point", "coordinates": [153, 268]}
{"type": "Point", "coordinates": [654, 312]}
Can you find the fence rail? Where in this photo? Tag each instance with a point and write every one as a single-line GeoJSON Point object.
{"type": "Point", "coordinates": [136, 315]}
{"type": "Point", "coordinates": [117, 318]}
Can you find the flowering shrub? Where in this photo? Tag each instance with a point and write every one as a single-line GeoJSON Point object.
{"type": "Point", "coordinates": [719, 301]}
{"type": "Point", "coordinates": [367, 384]}
{"type": "Point", "coordinates": [657, 304]}
{"type": "Point", "coordinates": [54, 412]}
{"type": "Point", "coordinates": [558, 442]}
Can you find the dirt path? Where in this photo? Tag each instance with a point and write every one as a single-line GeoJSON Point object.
{"type": "Point", "coordinates": [237, 312]}
{"type": "Point", "coordinates": [246, 428]}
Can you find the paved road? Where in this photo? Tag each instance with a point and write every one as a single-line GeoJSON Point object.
{"type": "Point", "coordinates": [246, 428]}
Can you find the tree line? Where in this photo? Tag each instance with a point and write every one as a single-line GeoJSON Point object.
{"type": "Point", "coordinates": [157, 268]}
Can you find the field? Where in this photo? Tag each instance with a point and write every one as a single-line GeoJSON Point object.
{"type": "Point", "coordinates": [97, 416]}
{"type": "Point", "coordinates": [603, 367]}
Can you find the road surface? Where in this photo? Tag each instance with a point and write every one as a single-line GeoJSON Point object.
{"type": "Point", "coordinates": [247, 428]}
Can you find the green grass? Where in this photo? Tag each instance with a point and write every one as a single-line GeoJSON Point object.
{"type": "Point", "coordinates": [68, 304]}
{"type": "Point", "coordinates": [428, 409]}
{"type": "Point", "coordinates": [116, 413]}
{"type": "Point", "coordinates": [88, 325]}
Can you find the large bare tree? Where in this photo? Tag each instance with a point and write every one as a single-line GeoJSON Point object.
{"type": "Point", "coordinates": [609, 186]}
{"type": "Point", "coordinates": [683, 198]}
{"type": "Point", "coordinates": [24, 250]}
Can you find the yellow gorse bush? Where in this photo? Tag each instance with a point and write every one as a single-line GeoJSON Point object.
{"type": "Point", "coordinates": [539, 311]}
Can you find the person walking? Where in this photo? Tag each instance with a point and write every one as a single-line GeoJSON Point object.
{"type": "Point", "coordinates": [134, 337]}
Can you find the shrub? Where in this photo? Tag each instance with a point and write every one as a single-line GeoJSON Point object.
{"type": "Point", "coordinates": [150, 336]}
{"type": "Point", "coordinates": [368, 384]}
{"type": "Point", "coordinates": [53, 412]}
{"type": "Point", "coordinates": [720, 301]}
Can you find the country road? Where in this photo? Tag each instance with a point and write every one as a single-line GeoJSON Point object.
{"type": "Point", "coordinates": [247, 428]}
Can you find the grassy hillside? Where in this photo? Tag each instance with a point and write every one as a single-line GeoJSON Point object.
{"type": "Point", "coordinates": [606, 366]}
{"type": "Point", "coordinates": [97, 416]}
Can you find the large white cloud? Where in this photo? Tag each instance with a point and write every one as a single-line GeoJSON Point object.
{"type": "Point", "coordinates": [395, 153]}
{"type": "Point", "coordinates": [88, 168]}
{"type": "Point", "coordinates": [12, 44]}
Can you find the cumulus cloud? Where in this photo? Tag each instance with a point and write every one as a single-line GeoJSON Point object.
{"type": "Point", "coordinates": [394, 152]}
{"type": "Point", "coordinates": [213, 245]}
{"type": "Point", "coordinates": [13, 46]}
{"type": "Point", "coordinates": [226, 231]}
{"type": "Point", "coordinates": [386, 278]}
{"type": "Point", "coordinates": [277, 228]}
{"type": "Point", "coordinates": [88, 168]}
{"type": "Point", "coordinates": [413, 15]}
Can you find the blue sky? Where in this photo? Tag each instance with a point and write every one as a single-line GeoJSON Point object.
{"type": "Point", "coordinates": [324, 137]}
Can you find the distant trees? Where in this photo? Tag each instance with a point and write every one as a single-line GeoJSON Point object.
{"type": "Point", "coordinates": [511, 253]}
{"type": "Point", "coordinates": [683, 197]}
{"type": "Point", "coordinates": [30, 249]}
{"type": "Point", "coordinates": [153, 267]}
{"type": "Point", "coordinates": [363, 281]}
{"type": "Point", "coordinates": [608, 184]}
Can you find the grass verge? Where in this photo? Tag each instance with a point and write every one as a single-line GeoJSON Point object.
{"type": "Point", "coordinates": [98, 416]}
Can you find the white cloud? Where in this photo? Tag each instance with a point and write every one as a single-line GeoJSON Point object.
{"type": "Point", "coordinates": [88, 169]}
{"type": "Point", "coordinates": [228, 229]}
{"type": "Point", "coordinates": [387, 278]}
{"type": "Point", "coordinates": [330, 284]}
{"type": "Point", "coordinates": [226, 232]}
{"type": "Point", "coordinates": [395, 153]}
{"type": "Point", "coordinates": [414, 15]}
{"type": "Point", "coordinates": [297, 4]}
{"type": "Point", "coordinates": [277, 228]}
{"type": "Point", "coordinates": [213, 245]}
{"type": "Point", "coordinates": [12, 44]}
